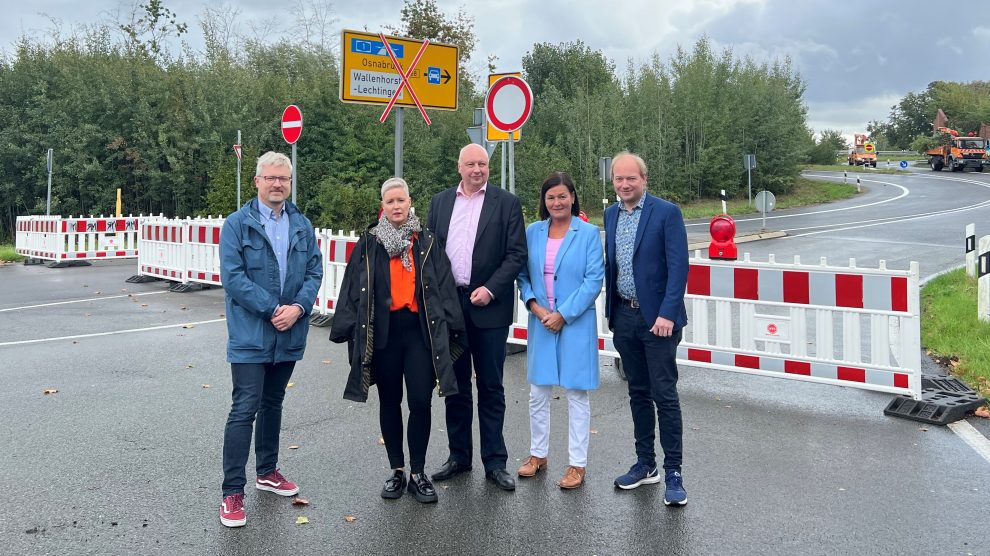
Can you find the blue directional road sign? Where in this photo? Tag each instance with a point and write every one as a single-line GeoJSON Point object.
{"type": "Point", "coordinates": [433, 75]}
{"type": "Point", "coordinates": [904, 164]}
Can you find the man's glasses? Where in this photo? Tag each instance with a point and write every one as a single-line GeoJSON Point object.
{"type": "Point", "coordinates": [284, 180]}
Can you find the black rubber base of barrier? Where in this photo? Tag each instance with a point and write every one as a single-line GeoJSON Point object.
{"type": "Point", "coordinates": [31, 262]}
{"type": "Point", "coordinates": [322, 321]}
{"type": "Point", "coordinates": [937, 407]}
{"type": "Point", "coordinates": [141, 279]}
{"type": "Point", "coordinates": [66, 264]}
{"type": "Point", "coordinates": [185, 288]}
{"type": "Point", "coordinates": [946, 383]}
{"type": "Point", "coordinates": [512, 349]}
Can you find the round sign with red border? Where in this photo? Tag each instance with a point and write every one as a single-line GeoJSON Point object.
{"type": "Point", "coordinates": [509, 103]}
{"type": "Point", "coordinates": [291, 123]}
{"type": "Point", "coordinates": [868, 147]}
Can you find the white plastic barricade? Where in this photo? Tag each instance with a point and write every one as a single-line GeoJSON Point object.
{"type": "Point", "coordinates": [38, 237]}
{"type": "Point", "coordinates": [61, 239]}
{"type": "Point", "coordinates": [336, 251]}
{"type": "Point", "coordinates": [203, 251]}
{"type": "Point", "coordinates": [845, 326]}
{"type": "Point", "coordinates": [161, 251]}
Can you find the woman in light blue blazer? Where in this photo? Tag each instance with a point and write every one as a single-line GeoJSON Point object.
{"type": "Point", "coordinates": [559, 285]}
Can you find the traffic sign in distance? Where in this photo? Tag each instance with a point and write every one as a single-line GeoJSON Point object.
{"type": "Point", "coordinates": [765, 201]}
{"type": "Point", "coordinates": [368, 75]}
{"type": "Point", "coordinates": [509, 103]}
{"type": "Point", "coordinates": [492, 134]}
{"type": "Point", "coordinates": [868, 147]}
{"type": "Point", "coordinates": [291, 123]}
{"type": "Point", "coordinates": [237, 151]}
{"type": "Point", "coordinates": [904, 164]}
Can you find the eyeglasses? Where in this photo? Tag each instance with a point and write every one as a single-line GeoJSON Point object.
{"type": "Point", "coordinates": [284, 180]}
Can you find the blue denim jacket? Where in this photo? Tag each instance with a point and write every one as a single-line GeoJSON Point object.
{"type": "Point", "coordinates": [250, 276]}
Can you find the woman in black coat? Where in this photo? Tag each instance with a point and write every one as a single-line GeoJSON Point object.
{"type": "Point", "coordinates": [399, 313]}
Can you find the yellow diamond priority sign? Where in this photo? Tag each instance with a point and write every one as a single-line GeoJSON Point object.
{"type": "Point", "coordinates": [368, 75]}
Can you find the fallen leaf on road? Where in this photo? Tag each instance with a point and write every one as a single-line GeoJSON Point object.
{"type": "Point", "coordinates": [923, 429]}
{"type": "Point", "coordinates": [983, 412]}
{"type": "Point", "coordinates": [89, 314]}
{"type": "Point", "coordinates": [326, 361]}
{"type": "Point", "coordinates": [294, 447]}
{"type": "Point", "coordinates": [300, 502]}
{"type": "Point", "coordinates": [189, 366]}
{"type": "Point", "coordinates": [350, 518]}
{"type": "Point", "coordinates": [302, 520]}
{"type": "Point", "coordinates": [123, 289]}
{"type": "Point", "coordinates": [206, 386]}
{"type": "Point", "coordinates": [188, 326]}
{"type": "Point", "coordinates": [98, 293]}
{"type": "Point", "coordinates": [50, 391]}
{"type": "Point", "coordinates": [290, 385]}
{"type": "Point", "coordinates": [74, 342]}
{"type": "Point", "coordinates": [144, 304]}
{"type": "Point", "coordinates": [381, 441]}
{"type": "Point", "coordinates": [222, 315]}
{"type": "Point", "coordinates": [183, 308]}
{"type": "Point", "coordinates": [593, 431]}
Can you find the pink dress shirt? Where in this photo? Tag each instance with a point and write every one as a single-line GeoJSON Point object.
{"type": "Point", "coordinates": [553, 245]}
{"type": "Point", "coordinates": [463, 231]}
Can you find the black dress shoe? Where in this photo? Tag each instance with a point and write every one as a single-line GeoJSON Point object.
{"type": "Point", "coordinates": [394, 485]}
{"type": "Point", "coordinates": [422, 488]}
{"type": "Point", "coordinates": [501, 478]}
{"type": "Point", "coordinates": [450, 469]}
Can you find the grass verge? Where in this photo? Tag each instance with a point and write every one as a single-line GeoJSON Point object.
{"type": "Point", "coordinates": [9, 255]}
{"type": "Point", "coordinates": [950, 327]}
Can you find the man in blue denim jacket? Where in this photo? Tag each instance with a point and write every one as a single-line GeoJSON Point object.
{"type": "Point", "coordinates": [271, 270]}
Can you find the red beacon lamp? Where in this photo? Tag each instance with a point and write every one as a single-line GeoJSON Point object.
{"type": "Point", "coordinates": [723, 231]}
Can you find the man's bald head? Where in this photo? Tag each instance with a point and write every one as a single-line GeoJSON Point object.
{"type": "Point", "coordinates": [472, 165]}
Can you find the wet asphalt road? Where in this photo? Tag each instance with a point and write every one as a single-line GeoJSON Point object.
{"type": "Point", "coordinates": [125, 457]}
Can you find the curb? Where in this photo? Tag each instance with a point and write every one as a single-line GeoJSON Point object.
{"type": "Point", "coordinates": [755, 236]}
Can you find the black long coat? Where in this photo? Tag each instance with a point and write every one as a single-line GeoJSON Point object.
{"type": "Point", "coordinates": [355, 316]}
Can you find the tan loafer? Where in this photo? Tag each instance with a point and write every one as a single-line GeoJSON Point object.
{"type": "Point", "coordinates": [532, 466]}
{"type": "Point", "coordinates": [573, 477]}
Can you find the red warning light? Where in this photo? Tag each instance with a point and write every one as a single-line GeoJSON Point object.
{"type": "Point", "coordinates": [723, 231]}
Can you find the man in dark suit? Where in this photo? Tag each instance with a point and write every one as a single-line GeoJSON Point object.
{"type": "Point", "coordinates": [645, 279]}
{"type": "Point", "coordinates": [481, 229]}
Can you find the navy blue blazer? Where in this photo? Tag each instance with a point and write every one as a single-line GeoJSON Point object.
{"type": "Point", "coordinates": [660, 262]}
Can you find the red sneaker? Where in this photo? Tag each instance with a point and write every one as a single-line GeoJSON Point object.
{"type": "Point", "coordinates": [275, 482]}
{"type": "Point", "coordinates": [232, 511]}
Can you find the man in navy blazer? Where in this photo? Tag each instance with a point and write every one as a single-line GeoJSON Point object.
{"type": "Point", "coordinates": [646, 271]}
{"type": "Point", "coordinates": [481, 230]}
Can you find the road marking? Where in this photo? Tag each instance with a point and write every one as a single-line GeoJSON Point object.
{"type": "Point", "coordinates": [77, 301]}
{"type": "Point", "coordinates": [882, 221]}
{"type": "Point", "coordinates": [972, 437]}
{"type": "Point", "coordinates": [80, 336]}
{"type": "Point", "coordinates": [892, 242]}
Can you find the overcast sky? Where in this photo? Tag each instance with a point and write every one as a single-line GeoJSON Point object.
{"type": "Point", "coordinates": [857, 58]}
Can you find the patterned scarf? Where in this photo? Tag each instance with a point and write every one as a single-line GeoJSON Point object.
{"type": "Point", "coordinates": [396, 241]}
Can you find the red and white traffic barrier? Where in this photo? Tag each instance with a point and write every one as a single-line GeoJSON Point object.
{"type": "Point", "coordinates": [202, 249]}
{"type": "Point", "coordinates": [62, 239]}
{"type": "Point", "coordinates": [336, 250]}
{"type": "Point", "coordinates": [846, 326]}
{"type": "Point", "coordinates": [161, 249]}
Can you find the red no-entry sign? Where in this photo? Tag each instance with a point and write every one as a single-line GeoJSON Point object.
{"type": "Point", "coordinates": [509, 103]}
{"type": "Point", "coordinates": [291, 124]}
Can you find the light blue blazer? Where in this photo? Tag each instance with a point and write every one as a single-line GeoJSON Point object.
{"type": "Point", "coordinates": [568, 358]}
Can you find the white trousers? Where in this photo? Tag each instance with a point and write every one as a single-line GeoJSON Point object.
{"type": "Point", "coordinates": [578, 423]}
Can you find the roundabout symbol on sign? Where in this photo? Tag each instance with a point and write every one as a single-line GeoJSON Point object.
{"type": "Point", "coordinates": [509, 103]}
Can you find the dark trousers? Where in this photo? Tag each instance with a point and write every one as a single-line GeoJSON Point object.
{"type": "Point", "coordinates": [649, 362]}
{"type": "Point", "coordinates": [406, 356]}
{"type": "Point", "coordinates": [487, 351]}
{"type": "Point", "coordinates": [259, 389]}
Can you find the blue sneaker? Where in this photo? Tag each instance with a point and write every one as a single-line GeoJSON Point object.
{"type": "Point", "coordinates": [675, 495]}
{"type": "Point", "coordinates": [639, 474]}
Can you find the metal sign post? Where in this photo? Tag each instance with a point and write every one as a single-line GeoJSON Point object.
{"type": "Point", "coordinates": [48, 208]}
{"type": "Point", "coordinates": [502, 161]}
{"type": "Point", "coordinates": [399, 117]}
{"type": "Point", "coordinates": [237, 150]}
{"type": "Point", "coordinates": [512, 166]}
{"type": "Point", "coordinates": [749, 161]}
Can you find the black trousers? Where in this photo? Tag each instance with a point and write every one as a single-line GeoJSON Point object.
{"type": "Point", "coordinates": [650, 364]}
{"type": "Point", "coordinates": [406, 356]}
{"type": "Point", "coordinates": [487, 352]}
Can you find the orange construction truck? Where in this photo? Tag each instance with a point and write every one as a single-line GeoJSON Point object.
{"type": "Point", "coordinates": [958, 153]}
{"type": "Point", "coordinates": [863, 153]}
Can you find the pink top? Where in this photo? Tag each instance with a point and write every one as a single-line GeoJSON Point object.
{"type": "Point", "coordinates": [463, 231]}
{"type": "Point", "coordinates": [553, 245]}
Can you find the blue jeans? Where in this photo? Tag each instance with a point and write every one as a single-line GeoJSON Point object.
{"type": "Point", "coordinates": [258, 393]}
{"type": "Point", "coordinates": [650, 364]}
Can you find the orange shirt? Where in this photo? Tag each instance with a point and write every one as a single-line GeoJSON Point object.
{"type": "Point", "coordinates": [403, 284]}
